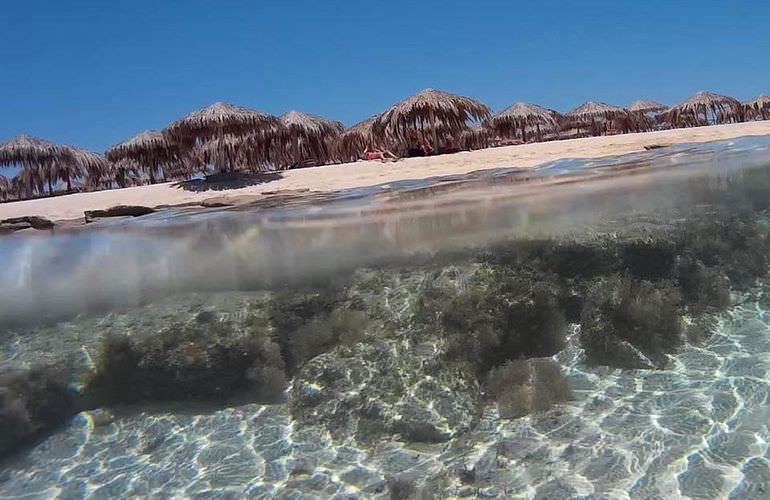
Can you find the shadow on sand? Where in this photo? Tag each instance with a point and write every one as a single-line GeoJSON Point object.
{"type": "Point", "coordinates": [224, 182]}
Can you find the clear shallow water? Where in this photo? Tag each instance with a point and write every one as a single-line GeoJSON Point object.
{"type": "Point", "coordinates": [697, 427]}
{"type": "Point", "coordinates": [699, 430]}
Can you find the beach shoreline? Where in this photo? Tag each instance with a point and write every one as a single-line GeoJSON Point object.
{"type": "Point", "coordinates": [333, 178]}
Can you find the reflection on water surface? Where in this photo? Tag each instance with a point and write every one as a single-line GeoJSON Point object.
{"type": "Point", "coordinates": [583, 329]}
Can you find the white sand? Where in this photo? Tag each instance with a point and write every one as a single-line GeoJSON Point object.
{"type": "Point", "coordinates": [360, 174]}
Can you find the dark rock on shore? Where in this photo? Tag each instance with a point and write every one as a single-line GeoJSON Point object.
{"type": "Point", "coordinates": [26, 222]}
{"type": "Point", "coordinates": [118, 211]}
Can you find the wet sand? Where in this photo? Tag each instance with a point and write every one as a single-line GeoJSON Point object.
{"type": "Point", "coordinates": [360, 174]}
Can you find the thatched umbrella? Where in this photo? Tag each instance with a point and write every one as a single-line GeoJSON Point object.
{"type": "Point", "coordinates": [758, 108]}
{"type": "Point", "coordinates": [722, 109]}
{"type": "Point", "coordinates": [644, 106]}
{"type": "Point", "coordinates": [38, 158]}
{"type": "Point", "coordinates": [85, 163]}
{"type": "Point", "coordinates": [522, 117]}
{"type": "Point", "coordinates": [354, 140]}
{"type": "Point", "coordinates": [150, 149]}
{"type": "Point", "coordinates": [222, 120]}
{"type": "Point", "coordinates": [309, 136]}
{"type": "Point", "coordinates": [599, 116]}
{"type": "Point", "coordinates": [433, 110]}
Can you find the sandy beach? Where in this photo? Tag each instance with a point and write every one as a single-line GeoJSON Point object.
{"type": "Point", "coordinates": [361, 174]}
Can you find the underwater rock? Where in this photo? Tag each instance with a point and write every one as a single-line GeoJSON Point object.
{"type": "Point", "coordinates": [522, 387]}
{"type": "Point", "coordinates": [33, 401]}
{"type": "Point", "coordinates": [206, 357]}
{"type": "Point", "coordinates": [499, 313]}
{"type": "Point", "coordinates": [632, 323]}
{"type": "Point", "coordinates": [118, 211]}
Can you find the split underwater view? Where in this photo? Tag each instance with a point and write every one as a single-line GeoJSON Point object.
{"type": "Point", "coordinates": [594, 328]}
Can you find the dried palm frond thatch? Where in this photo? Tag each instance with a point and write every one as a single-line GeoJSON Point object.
{"type": "Point", "coordinates": [5, 189]}
{"type": "Point", "coordinates": [309, 137]}
{"type": "Point", "coordinates": [705, 108]}
{"type": "Point", "coordinates": [28, 149]}
{"type": "Point", "coordinates": [41, 161]}
{"type": "Point", "coordinates": [354, 140]}
{"type": "Point", "coordinates": [476, 137]}
{"type": "Point", "coordinates": [250, 153]}
{"type": "Point", "coordinates": [150, 150]}
{"type": "Point", "coordinates": [519, 119]}
{"type": "Point", "coordinates": [644, 106]}
{"type": "Point", "coordinates": [223, 124]}
{"type": "Point", "coordinates": [429, 112]}
{"type": "Point", "coordinates": [85, 164]}
{"type": "Point", "coordinates": [218, 119]}
{"type": "Point", "coordinates": [758, 108]}
{"type": "Point", "coordinates": [600, 118]}
{"type": "Point", "coordinates": [124, 173]}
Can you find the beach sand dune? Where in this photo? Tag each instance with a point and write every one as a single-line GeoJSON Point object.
{"type": "Point", "coordinates": [361, 174]}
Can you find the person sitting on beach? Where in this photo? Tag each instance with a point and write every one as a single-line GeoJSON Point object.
{"type": "Point", "coordinates": [372, 153]}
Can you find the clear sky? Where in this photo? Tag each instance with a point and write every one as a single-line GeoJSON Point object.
{"type": "Point", "coordinates": [94, 72]}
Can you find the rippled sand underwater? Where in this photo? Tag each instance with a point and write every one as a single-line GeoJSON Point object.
{"type": "Point", "coordinates": [379, 373]}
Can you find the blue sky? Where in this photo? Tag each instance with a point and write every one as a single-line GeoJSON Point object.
{"type": "Point", "coordinates": [95, 72]}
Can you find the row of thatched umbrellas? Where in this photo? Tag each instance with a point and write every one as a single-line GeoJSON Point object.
{"type": "Point", "coordinates": [226, 138]}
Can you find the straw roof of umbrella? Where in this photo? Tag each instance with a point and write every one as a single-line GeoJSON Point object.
{"type": "Point", "coordinates": [149, 149]}
{"type": "Point", "coordinates": [591, 109]}
{"type": "Point", "coordinates": [94, 164]}
{"type": "Point", "coordinates": [355, 139]}
{"type": "Point", "coordinates": [758, 107]}
{"type": "Point", "coordinates": [476, 137]}
{"type": "Point", "coordinates": [41, 161]}
{"type": "Point", "coordinates": [724, 108]}
{"type": "Point", "coordinates": [233, 152]}
{"type": "Point", "coordinates": [25, 150]}
{"type": "Point", "coordinates": [145, 147]}
{"type": "Point", "coordinates": [218, 119]}
{"type": "Point", "coordinates": [762, 101]}
{"type": "Point", "coordinates": [432, 109]}
{"type": "Point", "coordinates": [305, 124]}
{"type": "Point", "coordinates": [523, 117]}
{"type": "Point", "coordinates": [645, 106]}
{"type": "Point", "coordinates": [308, 136]}
{"type": "Point", "coordinates": [598, 115]}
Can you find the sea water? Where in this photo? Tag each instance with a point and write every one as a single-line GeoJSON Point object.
{"type": "Point", "coordinates": [349, 347]}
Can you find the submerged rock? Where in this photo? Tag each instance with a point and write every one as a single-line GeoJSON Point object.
{"type": "Point", "coordinates": [206, 357]}
{"type": "Point", "coordinates": [631, 323]}
{"type": "Point", "coordinates": [33, 401]}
